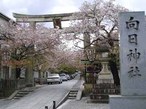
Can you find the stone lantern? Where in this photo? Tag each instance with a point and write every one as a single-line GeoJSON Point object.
{"type": "Point", "coordinates": [105, 76]}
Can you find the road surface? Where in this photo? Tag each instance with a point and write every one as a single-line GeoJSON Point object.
{"type": "Point", "coordinates": [40, 97]}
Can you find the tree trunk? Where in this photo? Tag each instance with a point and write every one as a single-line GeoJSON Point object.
{"type": "Point", "coordinates": [18, 72]}
{"type": "Point", "coordinates": [114, 70]}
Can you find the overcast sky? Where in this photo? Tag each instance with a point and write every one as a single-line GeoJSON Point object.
{"type": "Point", "coordinates": [7, 7]}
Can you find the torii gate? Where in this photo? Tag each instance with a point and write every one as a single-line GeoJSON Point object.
{"type": "Point", "coordinates": [33, 19]}
{"type": "Point", "coordinates": [55, 18]}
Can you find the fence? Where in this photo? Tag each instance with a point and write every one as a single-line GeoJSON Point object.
{"type": "Point", "coordinates": [7, 87]}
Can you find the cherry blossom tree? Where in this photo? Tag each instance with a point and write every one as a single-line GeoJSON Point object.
{"type": "Point", "coordinates": [25, 44]}
{"type": "Point", "coordinates": [99, 20]}
{"type": "Point", "coordinates": [65, 57]}
{"type": "Point", "coordinates": [97, 25]}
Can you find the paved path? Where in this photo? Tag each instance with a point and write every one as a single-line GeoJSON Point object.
{"type": "Point", "coordinates": [40, 97]}
{"type": "Point", "coordinates": [82, 104]}
{"type": "Point", "coordinates": [45, 96]}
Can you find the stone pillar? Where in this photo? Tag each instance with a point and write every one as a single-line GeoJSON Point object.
{"type": "Point", "coordinates": [86, 40]}
{"type": "Point", "coordinates": [29, 76]}
{"type": "Point", "coordinates": [86, 46]}
{"type": "Point", "coordinates": [132, 62]}
{"type": "Point", "coordinates": [32, 25]}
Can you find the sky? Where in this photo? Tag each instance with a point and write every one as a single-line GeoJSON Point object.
{"type": "Point", "coordinates": [38, 7]}
{"type": "Point", "coordinates": [8, 7]}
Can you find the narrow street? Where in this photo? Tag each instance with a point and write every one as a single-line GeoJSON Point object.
{"type": "Point", "coordinates": [40, 97]}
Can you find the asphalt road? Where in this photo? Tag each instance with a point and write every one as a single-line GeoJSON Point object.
{"type": "Point", "coordinates": [40, 97]}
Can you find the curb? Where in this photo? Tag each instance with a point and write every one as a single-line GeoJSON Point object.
{"type": "Point", "coordinates": [80, 91]}
{"type": "Point", "coordinates": [79, 94]}
{"type": "Point", "coordinates": [61, 101]}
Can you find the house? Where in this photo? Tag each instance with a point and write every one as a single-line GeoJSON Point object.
{"type": "Point", "coordinates": [5, 72]}
{"type": "Point", "coordinates": [8, 83]}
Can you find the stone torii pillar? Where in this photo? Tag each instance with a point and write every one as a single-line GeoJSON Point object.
{"type": "Point", "coordinates": [32, 25]}
{"type": "Point", "coordinates": [29, 74]}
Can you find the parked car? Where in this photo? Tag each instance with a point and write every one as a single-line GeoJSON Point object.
{"type": "Point", "coordinates": [68, 77]}
{"type": "Point", "coordinates": [63, 77]}
{"type": "Point", "coordinates": [54, 78]}
{"type": "Point", "coordinates": [72, 76]}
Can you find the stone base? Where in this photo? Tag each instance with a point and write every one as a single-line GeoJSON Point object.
{"type": "Point", "coordinates": [105, 78]}
{"type": "Point", "coordinates": [127, 102]}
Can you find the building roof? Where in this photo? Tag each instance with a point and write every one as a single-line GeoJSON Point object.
{"type": "Point", "coordinates": [4, 17]}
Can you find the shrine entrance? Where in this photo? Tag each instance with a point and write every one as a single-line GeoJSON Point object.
{"type": "Point", "coordinates": [32, 20]}
{"type": "Point", "coordinates": [103, 84]}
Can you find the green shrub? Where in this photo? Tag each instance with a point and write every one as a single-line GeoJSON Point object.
{"type": "Point", "coordinates": [87, 89]}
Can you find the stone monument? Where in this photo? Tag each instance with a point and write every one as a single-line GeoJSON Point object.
{"type": "Point", "coordinates": [132, 62]}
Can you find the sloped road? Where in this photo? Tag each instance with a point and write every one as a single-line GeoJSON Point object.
{"type": "Point", "coordinates": [40, 97]}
